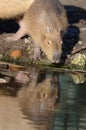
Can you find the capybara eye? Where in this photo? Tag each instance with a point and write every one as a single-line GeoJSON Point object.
{"type": "Point", "coordinates": [43, 95]}
{"type": "Point", "coordinates": [49, 42]}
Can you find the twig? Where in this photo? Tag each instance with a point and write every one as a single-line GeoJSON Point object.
{"type": "Point", "coordinates": [78, 50]}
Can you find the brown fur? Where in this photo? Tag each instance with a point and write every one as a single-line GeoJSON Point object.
{"type": "Point", "coordinates": [43, 21]}
{"type": "Point", "coordinates": [13, 8]}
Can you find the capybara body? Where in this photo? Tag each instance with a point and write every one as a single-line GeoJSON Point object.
{"type": "Point", "coordinates": [13, 8]}
{"type": "Point", "coordinates": [43, 21]}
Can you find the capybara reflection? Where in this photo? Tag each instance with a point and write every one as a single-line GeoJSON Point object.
{"type": "Point", "coordinates": [38, 98]}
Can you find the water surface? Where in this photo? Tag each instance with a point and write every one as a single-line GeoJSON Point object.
{"type": "Point", "coordinates": [49, 100]}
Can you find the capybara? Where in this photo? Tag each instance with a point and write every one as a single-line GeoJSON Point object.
{"type": "Point", "coordinates": [43, 21]}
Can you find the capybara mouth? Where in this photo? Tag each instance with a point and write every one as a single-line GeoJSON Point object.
{"type": "Point", "coordinates": [56, 57]}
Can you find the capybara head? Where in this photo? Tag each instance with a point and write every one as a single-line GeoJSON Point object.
{"type": "Point", "coordinates": [52, 45]}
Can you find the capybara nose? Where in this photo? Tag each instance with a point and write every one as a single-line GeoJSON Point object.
{"type": "Point", "coordinates": [56, 57]}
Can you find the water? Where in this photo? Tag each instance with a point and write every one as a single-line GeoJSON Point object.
{"type": "Point", "coordinates": [47, 100]}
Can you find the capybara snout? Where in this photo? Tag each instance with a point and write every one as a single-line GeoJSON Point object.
{"type": "Point", "coordinates": [52, 46]}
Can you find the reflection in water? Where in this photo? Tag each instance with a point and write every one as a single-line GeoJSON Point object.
{"type": "Point", "coordinates": [47, 101]}
{"type": "Point", "coordinates": [72, 112]}
{"type": "Point", "coordinates": [38, 97]}
{"type": "Point", "coordinates": [78, 78]}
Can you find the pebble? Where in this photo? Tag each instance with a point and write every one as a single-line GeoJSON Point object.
{"type": "Point", "coordinates": [80, 42]}
{"type": "Point", "coordinates": [79, 60]}
{"type": "Point", "coordinates": [2, 80]}
{"type": "Point", "coordinates": [16, 54]}
{"type": "Point", "coordinates": [1, 56]}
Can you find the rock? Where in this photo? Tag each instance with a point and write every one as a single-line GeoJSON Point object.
{"type": "Point", "coordinates": [16, 54]}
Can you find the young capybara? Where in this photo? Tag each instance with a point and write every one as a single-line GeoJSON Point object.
{"type": "Point", "coordinates": [43, 21]}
